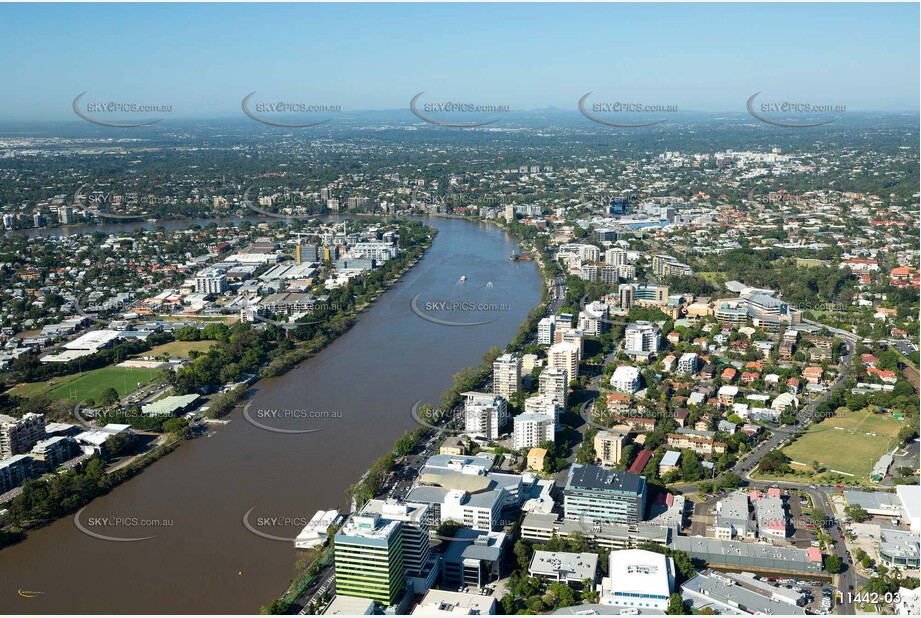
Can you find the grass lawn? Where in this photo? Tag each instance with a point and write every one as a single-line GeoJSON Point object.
{"type": "Point", "coordinates": [90, 384]}
{"type": "Point", "coordinates": [852, 443]}
{"type": "Point", "coordinates": [713, 277]}
{"type": "Point", "coordinates": [809, 262]}
{"type": "Point", "coordinates": [178, 349]}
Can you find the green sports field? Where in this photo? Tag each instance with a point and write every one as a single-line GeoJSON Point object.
{"type": "Point", "coordinates": [852, 443]}
{"type": "Point", "coordinates": [90, 384]}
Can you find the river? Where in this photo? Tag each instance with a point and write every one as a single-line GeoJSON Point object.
{"type": "Point", "coordinates": [202, 559]}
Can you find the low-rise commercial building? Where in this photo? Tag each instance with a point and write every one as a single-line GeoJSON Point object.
{"type": "Point", "coordinates": [568, 567]}
{"type": "Point", "coordinates": [725, 594]}
{"type": "Point", "coordinates": [638, 579]}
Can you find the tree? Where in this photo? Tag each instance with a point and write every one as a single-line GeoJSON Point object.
{"type": "Point", "coordinates": [856, 513]}
{"type": "Point", "coordinates": [523, 554]}
{"type": "Point", "coordinates": [108, 397]}
{"type": "Point", "coordinates": [275, 608]}
{"type": "Point", "coordinates": [676, 605]}
{"type": "Point", "coordinates": [833, 564]}
{"type": "Point", "coordinates": [178, 427]}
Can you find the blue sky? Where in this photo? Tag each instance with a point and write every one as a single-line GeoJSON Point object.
{"type": "Point", "coordinates": [202, 59]}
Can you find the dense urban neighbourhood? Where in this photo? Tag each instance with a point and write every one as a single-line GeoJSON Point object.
{"type": "Point", "coordinates": [724, 361]}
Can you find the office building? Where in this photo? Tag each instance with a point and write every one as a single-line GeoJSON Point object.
{"type": "Point", "coordinates": [473, 558]}
{"type": "Point", "coordinates": [638, 579]}
{"type": "Point", "coordinates": [369, 559]}
{"type": "Point", "coordinates": [618, 206]}
{"type": "Point", "coordinates": [414, 531]}
{"type": "Point", "coordinates": [485, 415]}
{"type": "Point", "coordinates": [541, 527]}
{"type": "Point", "coordinates": [732, 517]}
{"type": "Point", "coordinates": [306, 253]}
{"type": "Point", "coordinates": [594, 494]}
{"type": "Point", "coordinates": [738, 594]}
{"type": "Point", "coordinates": [443, 602]}
{"type": "Point", "coordinates": [771, 518]}
{"type": "Point", "coordinates": [377, 251]}
{"type": "Point", "coordinates": [506, 375]}
{"type": "Point", "coordinates": [477, 509]}
{"type": "Point", "coordinates": [568, 567]}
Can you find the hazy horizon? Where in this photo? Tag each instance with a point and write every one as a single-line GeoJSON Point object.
{"type": "Point", "coordinates": [202, 60]}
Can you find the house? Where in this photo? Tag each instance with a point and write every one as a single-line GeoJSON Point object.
{"type": "Point", "coordinates": [707, 372]}
{"type": "Point", "coordinates": [887, 376]}
{"type": "Point", "coordinates": [813, 375]}
{"type": "Point", "coordinates": [793, 385]}
{"type": "Point", "coordinates": [670, 461]}
{"type": "Point", "coordinates": [681, 416]}
{"type": "Point", "coordinates": [726, 426]}
{"type": "Point", "coordinates": [618, 402]}
{"type": "Point", "coordinates": [673, 337]}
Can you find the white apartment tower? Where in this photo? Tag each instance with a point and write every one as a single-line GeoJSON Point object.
{"type": "Point", "coordinates": [485, 414]}
{"type": "Point", "coordinates": [554, 383]}
{"type": "Point", "coordinates": [506, 375]}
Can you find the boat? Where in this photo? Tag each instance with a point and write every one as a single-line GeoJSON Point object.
{"type": "Point", "coordinates": [463, 277]}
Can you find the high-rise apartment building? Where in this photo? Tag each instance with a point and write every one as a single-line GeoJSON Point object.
{"type": "Point", "coordinates": [641, 337]}
{"type": "Point", "coordinates": [506, 375]}
{"type": "Point", "coordinates": [485, 414]}
{"type": "Point", "coordinates": [554, 383]}
{"type": "Point", "coordinates": [19, 435]}
{"type": "Point", "coordinates": [565, 356]}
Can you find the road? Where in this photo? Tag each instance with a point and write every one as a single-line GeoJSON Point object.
{"type": "Point", "coordinates": [849, 580]}
{"type": "Point", "coordinates": [779, 436]}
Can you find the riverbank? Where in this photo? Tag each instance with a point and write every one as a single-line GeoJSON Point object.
{"type": "Point", "coordinates": [23, 514]}
{"type": "Point", "coordinates": [469, 378]}
{"type": "Point", "coordinates": [369, 379]}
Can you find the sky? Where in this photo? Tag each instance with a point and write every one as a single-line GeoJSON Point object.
{"type": "Point", "coordinates": [202, 59]}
